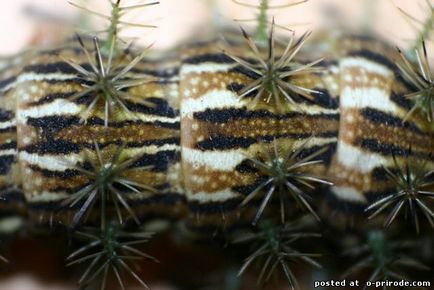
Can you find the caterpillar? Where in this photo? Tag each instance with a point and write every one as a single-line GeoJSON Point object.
{"type": "Point", "coordinates": [227, 138]}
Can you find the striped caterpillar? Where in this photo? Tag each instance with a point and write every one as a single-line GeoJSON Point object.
{"type": "Point", "coordinates": [223, 136]}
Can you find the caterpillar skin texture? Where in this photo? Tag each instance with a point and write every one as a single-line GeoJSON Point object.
{"type": "Point", "coordinates": [195, 139]}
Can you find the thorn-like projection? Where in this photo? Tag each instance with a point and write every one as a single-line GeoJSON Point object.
{"type": "Point", "coordinates": [107, 83]}
{"type": "Point", "coordinates": [274, 249]}
{"type": "Point", "coordinates": [286, 173]}
{"type": "Point", "coordinates": [3, 259]}
{"type": "Point", "coordinates": [111, 250]}
{"type": "Point", "coordinates": [411, 182]}
{"type": "Point", "coordinates": [108, 180]}
{"type": "Point", "coordinates": [274, 74]}
{"type": "Point", "coordinates": [422, 78]}
{"type": "Point", "coordinates": [423, 28]}
{"type": "Point", "coordinates": [116, 24]}
{"type": "Point", "coordinates": [386, 259]}
{"type": "Point", "coordinates": [262, 17]}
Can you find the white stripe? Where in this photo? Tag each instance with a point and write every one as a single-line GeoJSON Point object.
{"type": "Point", "coordinates": [152, 149]}
{"type": "Point", "coordinates": [211, 100]}
{"type": "Point", "coordinates": [315, 109]}
{"type": "Point", "coordinates": [367, 97]}
{"type": "Point", "coordinates": [227, 160]}
{"type": "Point", "coordinates": [63, 162]}
{"type": "Point", "coordinates": [7, 124]}
{"type": "Point", "coordinates": [25, 77]}
{"type": "Point", "coordinates": [368, 65]}
{"type": "Point", "coordinates": [348, 194]}
{"type": "Point", "coordinates": [47, 196]}
{"type": "Point", "coordinates": [8, 152]}
{"type": "Point", "coordinates": [217, 160]}
{"type": "Point", "coordinates": [50, 162]}
{"type": "Point", "coordinates": [352, 157]}
{"type": "Point", "coordinates": [206, 197]}
{"type": "Point", "coordinates": [31, 76]}
{"type": "Point", "coordinates": [208, 67]}
{"type": "Point", "coordinates": [57, 107]}
{"type": "Point", "coordinates": [314, 141]}
{"type": "Point", "coordinates": [154, 118]}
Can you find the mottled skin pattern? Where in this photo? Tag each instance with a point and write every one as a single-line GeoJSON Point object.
{"type": "Point", "coordinates": [198, 133]}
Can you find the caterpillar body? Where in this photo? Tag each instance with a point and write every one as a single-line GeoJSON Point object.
{"type": "Point", "coordinates": [185, 141]}
{"type": "Point", "coordinates": [199, 127]}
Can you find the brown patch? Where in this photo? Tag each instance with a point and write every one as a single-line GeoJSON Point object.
{"type": "Point", "coordinates": [194, 131]}
{"type": "Point", "coordinates": [344, 176]}
{"type": "Point", "coordinates": [204, 179]}
{"type": "Point", "coordinates": [195, 85]}
{"type": "Point", "coordinates": [131, 133]}
{"type": "Point", "coordinates": [355, 128]}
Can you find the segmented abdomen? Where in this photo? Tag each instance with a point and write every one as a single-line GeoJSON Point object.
{"type": "Point", "coordinates": [193, 143]}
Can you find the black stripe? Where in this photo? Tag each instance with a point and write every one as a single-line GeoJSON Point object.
{"type": "Point", "coordinates": [245, 71]}
{"type": "Point", "coordinates": [380, 117]}
{"type": "Point", "coordinates": [51, 146]}
{"type": "Point", "coordinates": [160, 160]}
{"type": "Point", "coordinates": [389, 149]}
{"type": "Point", "coordinates": [46, 68]}
{"type": "Point", "coordinates": [5, 163]}
{"type": "Point", "coordinates": [157, 142]}
{"type": "Point", "coordinates": [323, 99]}
{"type": "Point", "coordinates": [326, 156]}
{"type": "Point", "coordinates": [401, 101]}
{"type": "Point", "coordinates": [11, 129]}
{"type": "Point", "coordinates": [375, 57]}
{"type": "Point", "coordinates": [53, 124]}
{"type": "Point", "coordinates": [166, 198]}
{"type": "Point", "coordinates": [161, 73]}
{"type": "Point", "coordinates": [51, 97]}
{"type": "Point", "coordinates": [245, 190]}
{"type": "Point", "coordinates": [225, 142]}
{"type": "Point", "coordinates": [219, 142]}
{"type": "Point", "coordinates": [384, 60]}
{"type": "Point", "coordinates": [383, 148]}
{"type": "Point", "coordinates": [6, 82]}
{"type": "Point", "coordinates": [160, 108]}
{"type": "Point", "coordinates": [11, 195]}
{"type": "Point", "coordinates": [215, 207]}
{"type": "Point", "coordinates": [379, 174]}
{"type": "Point", "coordinates": [68, 173]}
{"type": "Point", "coordinates": [208, 57]}
{"type": "Point", "coordinates": [230, 114]}
{"type": "Point", "coordinates": [65, 68]}
{"type": "Point", "coordinates": [9, 145]}
{"type": "Point", "coordinates": [6, 115]}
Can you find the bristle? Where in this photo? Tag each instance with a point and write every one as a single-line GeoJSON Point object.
{"type": "Point", "coordinates": [412, 182]}
{"type": "Point", "coordinates": [285, 173]}
{"type": "Point", "coordinates": [110, 250]}
{"type": "Point", "coordinates": [105, 176]}
{"type": "Point", "coordinates": [387, 260]}
{"type": "Point", "coordinates": [274, 77]}
{"type": "Point", "coordinates": [273, 247]}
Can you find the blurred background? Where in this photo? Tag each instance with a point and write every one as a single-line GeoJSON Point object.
{"type": "Point", "coordinates": [25, 23]}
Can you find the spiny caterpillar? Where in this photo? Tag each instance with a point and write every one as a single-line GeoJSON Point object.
{"type": "Point", "coordinates": [311, 152]}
